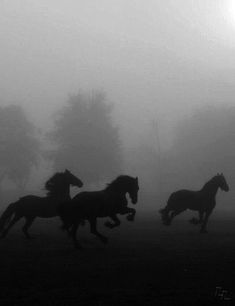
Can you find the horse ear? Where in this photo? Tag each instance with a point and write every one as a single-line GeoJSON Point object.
{"type": "Point", "coordinates": [66, 171]}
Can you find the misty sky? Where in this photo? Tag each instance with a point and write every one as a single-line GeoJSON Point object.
{"type": "Point", "coordinates": [153, 58]}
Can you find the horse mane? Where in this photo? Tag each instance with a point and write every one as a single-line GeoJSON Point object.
{"type": "Point", "coordinates": [53, 184]}
{"type": "Point", "coordinates": [118, 183]}
{"type": "Point", "coordinates": [210, 182]}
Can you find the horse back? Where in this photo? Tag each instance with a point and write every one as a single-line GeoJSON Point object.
{"type": "Point", "coordinates": [37, 206]}
{"type": "Point", "coordinates": [89, 203]}
{"type": "Point", "coordinates": [184, 198]}
{"type": "Point", "coordinates": [183, 194]}
{"type": "Point", "coordinates": [189, 199]}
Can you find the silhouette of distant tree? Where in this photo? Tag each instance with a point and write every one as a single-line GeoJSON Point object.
{"type": "Point", "coordinates": [19, 146]}
{"type": "Point", "coordinates": [85, 138]}
{"type": "Point", "coordinates": [205, 143]}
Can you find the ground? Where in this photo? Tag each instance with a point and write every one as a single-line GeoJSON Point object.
{"type": "Point", "coordinates": [145, 263]}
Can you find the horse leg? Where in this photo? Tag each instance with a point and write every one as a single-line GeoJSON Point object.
{"type": "Point", "coordinates": [200, 216]}
{"type": "Point", "coordinates": [12, 222]}
{"type": "Point", "coordinates": [205, 221]}
{"type": "Point", "coordinates": [130, 211]}
{"type": "Point", "coordinates": [28, 223]}
{"type": "Point", "coordinates": [196, 221]}
{"type": "Point", "coordinates": [73, 234]}
{"type": "Point", "coordinates": [131, 216]}
{"type": "Point", "coordinates": [117, 222]}
{"type": "Point", "coordinates": [94, 231]}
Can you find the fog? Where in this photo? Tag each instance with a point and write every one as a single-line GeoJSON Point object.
{"type": "Point", "coordinates": [157, 62]}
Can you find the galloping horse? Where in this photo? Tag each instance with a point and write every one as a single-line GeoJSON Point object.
{"type": "Point", "coordinates": [202, 201]}
{"type": "Point", "coordinates": [31, 206]}
{"type": "Point", "coordinates": [104, 203]}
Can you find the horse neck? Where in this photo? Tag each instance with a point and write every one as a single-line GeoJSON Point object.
{"type": "Point", "coordinates": [116, 193]}
{"type": "Point", "coordinates": [63, 194]}
{"type": "Point", "coordinates": [210, 188]}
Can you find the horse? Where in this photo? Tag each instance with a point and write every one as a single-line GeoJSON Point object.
{"type": "Point", "coordinates": [90, 205]}
{"type": "Point", "coordinates": [31, 206]}
{"type": "Point", "coordinates": [202, 201]}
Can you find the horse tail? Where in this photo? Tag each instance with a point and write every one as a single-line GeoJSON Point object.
{"type": "Point", "coordinates": [7, 214]}
{"type": "Point", "coordinates": [165, 215]}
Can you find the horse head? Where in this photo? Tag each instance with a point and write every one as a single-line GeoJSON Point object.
{"type": "Point", "coordinates": [133, 188]}
{"type": "Point", "coordinates": [72, 179]}
{"type": "Point", "coordinates": [222, 182]}
{"type": "Point", "coordinates": [125, 184]}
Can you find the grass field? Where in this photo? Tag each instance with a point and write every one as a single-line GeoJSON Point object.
{"type": "Point", "coordinates": [144, 263]}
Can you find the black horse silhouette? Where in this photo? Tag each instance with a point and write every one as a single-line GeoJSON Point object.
{"type": "Point", "coordinates": [104, 203]}
{"type": "Point", "coordinates": [31, 206]}
{"type": "Point", "coordinates": [202, 201]}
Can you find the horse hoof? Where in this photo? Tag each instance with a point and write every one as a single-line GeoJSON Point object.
{"type": "Point", "coordinates": [130, 218]}
{"type": "Point", "coordinates": [108, 224]}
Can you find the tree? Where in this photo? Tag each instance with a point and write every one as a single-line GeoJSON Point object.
{"type": "Point", "coordinates": [85, 138]}
{"type": "Point", "coordinates": [205, 144]}
{"type": "Point", "coordinates": [19, 147]}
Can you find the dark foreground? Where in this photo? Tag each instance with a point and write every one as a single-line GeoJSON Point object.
{"type": "Point", "coordinates": [145, 263]}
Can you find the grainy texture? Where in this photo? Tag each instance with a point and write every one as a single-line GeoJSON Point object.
{"type": "Point", "coordinates": [145, 263]}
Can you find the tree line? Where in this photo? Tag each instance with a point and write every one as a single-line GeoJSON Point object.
{"type": "Point", "coordinates": [203, 144]}
{"type": "Point", "coordinates": [83, 140]}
